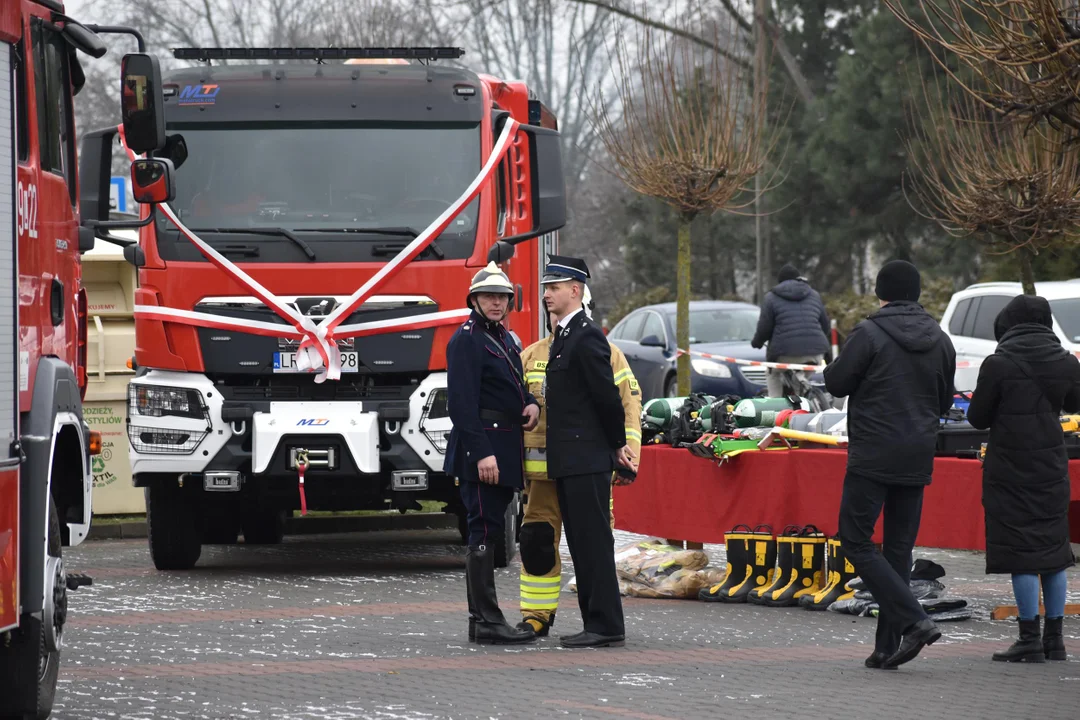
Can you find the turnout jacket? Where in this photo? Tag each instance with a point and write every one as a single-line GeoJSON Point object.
{"type": "Point", "coordinates": [585, 418]}
{"type": "Point", "coordinates": [487, 397]}
{"type": "Point", "coordinates": [535, 360]}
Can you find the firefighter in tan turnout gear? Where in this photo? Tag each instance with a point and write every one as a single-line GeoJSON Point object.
{"type": "Point", "coordinates": [541, 528]}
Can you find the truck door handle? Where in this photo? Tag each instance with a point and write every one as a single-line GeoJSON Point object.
{"type": "Point", "coordinates": [56, 302]}
{"type": "Point", "coordinates": [520, 293]}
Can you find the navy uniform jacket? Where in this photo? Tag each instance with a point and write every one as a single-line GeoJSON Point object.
{"type": "Point", "coordinates": [584, 409]}
{"type": "Point", "coordinates": [481, 378]}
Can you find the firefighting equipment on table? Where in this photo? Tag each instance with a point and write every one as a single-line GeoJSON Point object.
{"type": "Point", "coordinates": [541, 529]}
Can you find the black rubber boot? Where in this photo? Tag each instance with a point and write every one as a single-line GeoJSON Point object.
{"type": "Point", "coordinates": [806, 573]}
{"type": "Point", "coordinates": [1052, 641]}
{"type": "Point", "coordinates": [1028, 648]}
{"type": "Point", "coordinates": [488, 623]}
{"type": "Point", "coordinates": [785, 560]}
{"type": "Point", "coordinates": [751, 556]}
{"type": "Point", "coordinates": [841, 572]}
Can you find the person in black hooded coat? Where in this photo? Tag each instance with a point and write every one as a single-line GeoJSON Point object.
{"type": "Point", "coordinates": [897, 368]}
{"type": "Point", "coordinates": [794, 323]}
{"type": "Point", "coordinates": [1022, 389]}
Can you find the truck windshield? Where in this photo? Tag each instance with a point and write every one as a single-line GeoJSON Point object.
{"type": "Point", "coordinates": [329, 183]}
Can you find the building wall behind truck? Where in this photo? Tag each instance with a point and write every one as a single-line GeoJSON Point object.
{"type": "Point", "coordinates": [110, 288]}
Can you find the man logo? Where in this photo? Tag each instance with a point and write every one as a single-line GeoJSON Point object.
{"type": "Point", "coordinates": [198, 95]}
{"type": "Point", "coordinates": [314, 421]}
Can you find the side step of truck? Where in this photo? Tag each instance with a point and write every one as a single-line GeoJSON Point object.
{"type": "Point", "coordinates": [77, 580]}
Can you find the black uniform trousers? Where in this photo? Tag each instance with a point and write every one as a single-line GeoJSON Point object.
{"type": "Point", "coordinates": [886, 574]}
{"type": "Point", "coordinates": [485, 511]}
{"type": "Point", "coordinates": [585, 501]}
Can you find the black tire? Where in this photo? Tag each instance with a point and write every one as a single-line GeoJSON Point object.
{"type": "Point", "coordinates": [671, 386]}
{"type": "Point", "coordinates": [221, 526]}
{"type": "Point", "coordinates": [172, 525]}
{"type": "Point", "coordinates": [263, 526]}
{"type": "Point", "coordinates": [505, 547]}
{"type": "Point", "coordinates": [28, 669]}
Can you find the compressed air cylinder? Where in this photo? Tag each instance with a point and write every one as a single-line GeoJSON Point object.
{"type": "Point", "coordinates": [762, 412]}
{"type": "Point", "coordinates": [659, 411]}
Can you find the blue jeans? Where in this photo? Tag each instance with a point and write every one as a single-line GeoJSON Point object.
{"type": "Point", "coordinates": [1026, 590]}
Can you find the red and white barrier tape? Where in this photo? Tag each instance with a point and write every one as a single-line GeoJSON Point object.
{"type": "Point", "coordinates": [318, 351]}
{"type": "Point", "coordinates": [753, 363]}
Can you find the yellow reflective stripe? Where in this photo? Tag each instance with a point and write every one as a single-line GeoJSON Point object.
{"type": "Point", "coordinates": [539, 606]}
{"type": "Point", "coordinates": [540, 597]}
{"type": "Point", "coordinates": [536, 466]}
{"type": "Point", "coordinates": [632, 434]}
{"type": "Point", "coordinates": [541, 580]}
{"type": "Point", "coordinates": [622, 375]}
{"type": "Point", "coordinates": [534, 377]}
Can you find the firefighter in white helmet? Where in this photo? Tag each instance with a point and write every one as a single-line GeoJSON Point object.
{"type": "Point", "coordinates": [542, 525]}
{"type": "Point", "coordinates": [489, 406]}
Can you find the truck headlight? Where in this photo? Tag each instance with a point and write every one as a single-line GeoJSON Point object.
{"type": "Point", "coordinates": [160, 401]}
{"type": "Point", "coordinates": [710, 368]}
{"type": "Point", "coordinates": [435, 422]}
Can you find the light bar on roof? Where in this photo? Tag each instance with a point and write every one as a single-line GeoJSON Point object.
{"type": "Point", "coordinates": [407, 53]}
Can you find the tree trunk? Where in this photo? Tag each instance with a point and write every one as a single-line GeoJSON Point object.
{"type": "Point", "coordinates": [682, 304]}
{"type": "Point", "coordinates": [1027, 275]}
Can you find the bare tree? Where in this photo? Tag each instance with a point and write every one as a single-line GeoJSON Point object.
{"type": "Point", "coordinates": [1005, 182]}
{"type": "Point", "coordinates": [689, 134]}
{"type": "Point", "coordinates": [1024, 54]}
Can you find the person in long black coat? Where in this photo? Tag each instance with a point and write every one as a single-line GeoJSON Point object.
{"type": "Point", "coordinates": [1022, 389]}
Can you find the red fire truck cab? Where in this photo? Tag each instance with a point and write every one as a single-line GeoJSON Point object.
{"type": "Point", "coordinates": [311, 176]}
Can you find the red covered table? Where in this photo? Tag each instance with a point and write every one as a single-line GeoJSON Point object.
{"type": "Point", "coordinates": [679, 495]}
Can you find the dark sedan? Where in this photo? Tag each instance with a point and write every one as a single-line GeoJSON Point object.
{"type": "Point", "coordinates": [647, 338]}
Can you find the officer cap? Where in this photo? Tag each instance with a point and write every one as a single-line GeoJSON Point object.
{"type": "Point", "coordinates": [491, 280]}
{"type": "Point", "coordinates": [561, 268]}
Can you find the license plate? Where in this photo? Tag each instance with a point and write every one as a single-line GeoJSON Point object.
{"type": "Point", "coordinates": [285, 362]}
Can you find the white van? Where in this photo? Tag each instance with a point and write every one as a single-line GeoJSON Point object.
{"type": "Point", "coordinates": [969, 321]}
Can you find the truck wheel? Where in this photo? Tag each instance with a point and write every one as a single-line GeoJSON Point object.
{"type": "Point", "coordinates": [221, 526]}
{"type": "Point", "coordinates": [172, 526]}
{"type": "Point", "coordinates": [28, 668]}
{"type": "Point", "coordinates": [263, 526]}
{"type": "Point", "coordinates": [506, 546]}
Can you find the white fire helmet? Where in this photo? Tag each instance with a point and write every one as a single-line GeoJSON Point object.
{"type": "Point", "coordinates": [587, 302]}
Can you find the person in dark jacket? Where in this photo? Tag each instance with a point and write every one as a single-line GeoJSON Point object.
{"type": "Point", "coordinates": [794, 323]}
{"type": "Point", "coordinates": [586, 441]}
{"type": "Point", "coordinates": [1022, 389]}
{"type": "Point", "coordinates": [897, 367]}
{"type": "Point", "coordinates": [488, 403]}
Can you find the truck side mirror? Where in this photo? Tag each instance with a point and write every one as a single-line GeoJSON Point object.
{"type": "Point", "coordinates": [142, 103]}
{"type": "Point", "coordinates": [152, 181]}
{"type": "Point", "coordinates": [548, 183]}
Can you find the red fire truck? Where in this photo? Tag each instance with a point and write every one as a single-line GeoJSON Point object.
{"type": "Point", "coordinates": [45, 478]}
{"type": "Point", "coordinates": [304, 195]}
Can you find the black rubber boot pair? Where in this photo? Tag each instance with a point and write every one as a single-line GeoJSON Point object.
{"type": "Point", "coordinates": [487, 625]}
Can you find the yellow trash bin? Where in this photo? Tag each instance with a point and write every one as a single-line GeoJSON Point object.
{"type": "Point", "coordinates": [110, 283]}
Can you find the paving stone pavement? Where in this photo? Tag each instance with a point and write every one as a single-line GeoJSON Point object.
{"type": "Point", "coordinates": [373, 625]}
